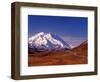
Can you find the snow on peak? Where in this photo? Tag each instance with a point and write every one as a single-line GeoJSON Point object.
{"type": "Point", "coordinates": [47, 41]}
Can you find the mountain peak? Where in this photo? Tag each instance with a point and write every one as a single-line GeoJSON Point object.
{"type": "Point", "coordinates": [47, 41]}
{"type": "Point", "coordinates": [41, 33]}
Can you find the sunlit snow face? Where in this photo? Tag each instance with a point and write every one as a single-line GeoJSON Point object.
{"type": "Point", "coordinates": [48, 41]}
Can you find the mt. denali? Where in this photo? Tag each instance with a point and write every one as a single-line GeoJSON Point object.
{"type": "Point", "coordinates": [47, 41]}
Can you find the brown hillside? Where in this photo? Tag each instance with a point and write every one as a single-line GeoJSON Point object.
{"type": "Point", "coordinates": [77, 55]}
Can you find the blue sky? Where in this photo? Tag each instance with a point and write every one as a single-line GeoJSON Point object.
{"type": "Point", "coordinates": [67, 27]}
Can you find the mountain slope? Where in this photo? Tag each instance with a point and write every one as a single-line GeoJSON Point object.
{"type": "Point", "coordinates": [47, 41]}
{"type": "Point", "coordinates": [81, 49]}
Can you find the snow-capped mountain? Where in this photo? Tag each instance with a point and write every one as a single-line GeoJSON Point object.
{"type": "Point", "coordinates": [47, 41]}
